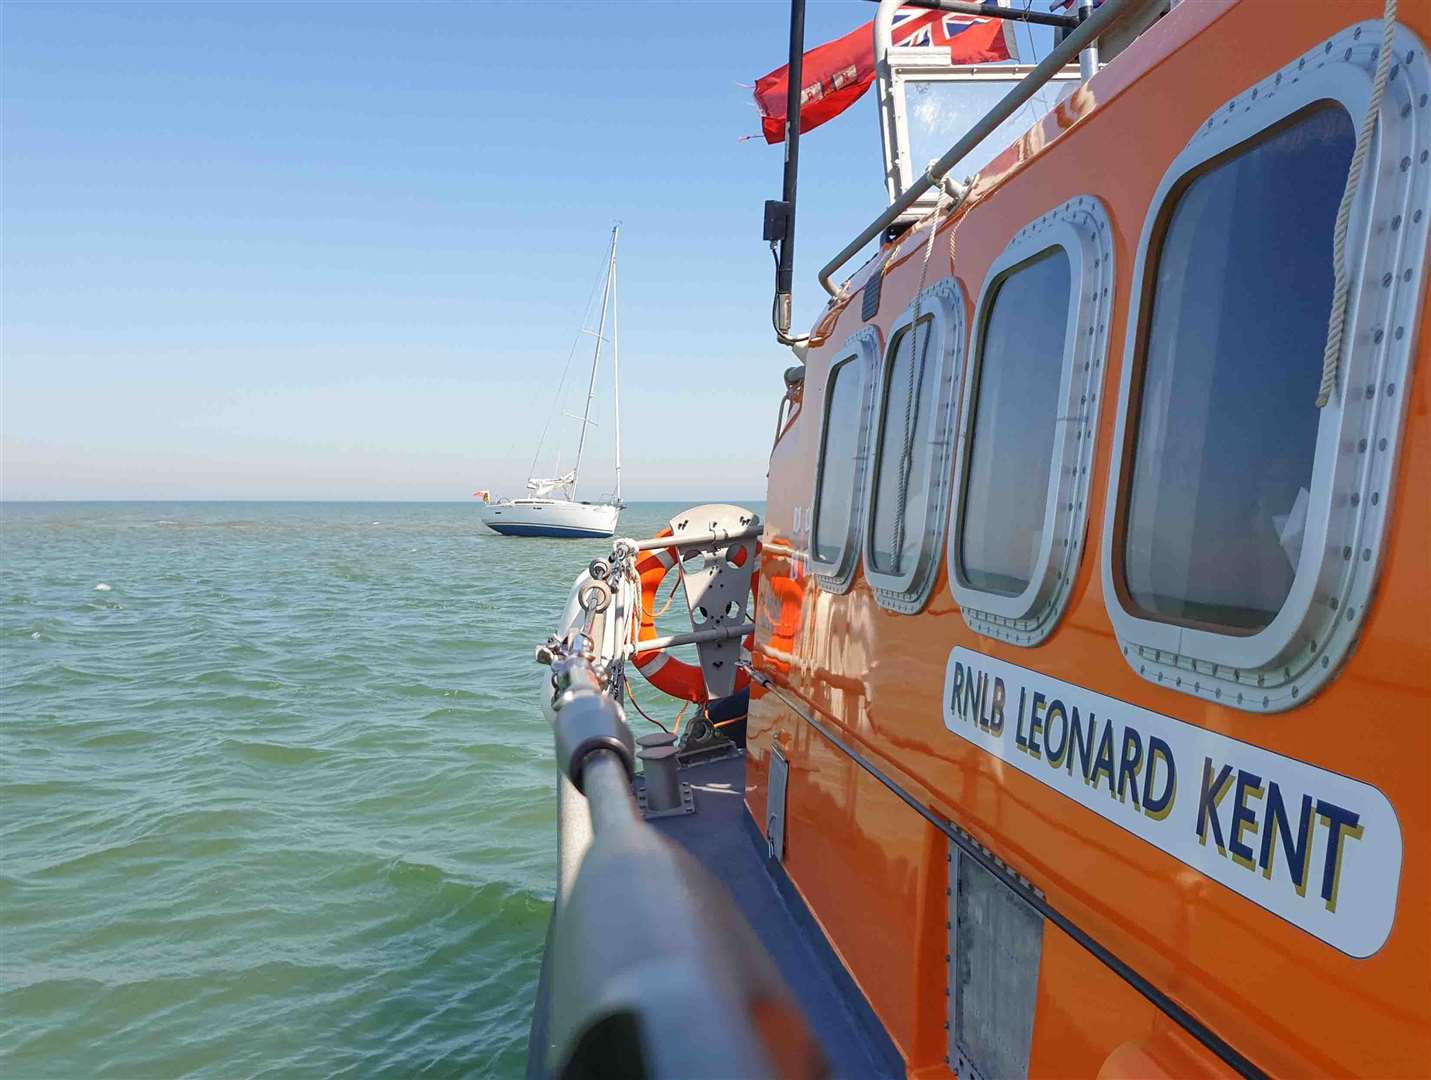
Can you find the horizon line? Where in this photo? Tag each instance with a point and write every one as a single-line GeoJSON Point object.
{"type": "Point", "coordinates": [310, 499]}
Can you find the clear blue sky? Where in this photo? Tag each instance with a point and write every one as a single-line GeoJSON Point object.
{"type": "Point", "coordinates": [340, 250]}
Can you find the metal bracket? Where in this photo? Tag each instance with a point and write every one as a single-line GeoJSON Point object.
{"type": "Point", "coordinates": [706, 753]}
{"type": "Point", "coordinates": [716, 577]}
{"type": "Point", "coordinates": [688, 803]}
{"type": "Point", "coordinates": [700, 743]}
{"type": "Point", "coordinates": [775, 805]}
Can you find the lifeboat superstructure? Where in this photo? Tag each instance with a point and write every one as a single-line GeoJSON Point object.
{"type": "Point", "coordinates": [1089, 722]}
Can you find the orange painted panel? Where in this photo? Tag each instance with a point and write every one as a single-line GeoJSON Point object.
{"type": "Point", "coordinates": [865, 862]}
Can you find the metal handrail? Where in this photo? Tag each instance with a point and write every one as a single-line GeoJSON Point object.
{"type": "Point", "coordinates": [649, 964]}
{"type": "Point", "coordinates": [695, 637]}
{"type": "Point", "coordinates": [1088, 31]}
{"type": "Point", "coordinates": [718, 536]}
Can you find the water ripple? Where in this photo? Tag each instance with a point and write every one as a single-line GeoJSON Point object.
{"type": "Point", "coordinates": [280, 800]}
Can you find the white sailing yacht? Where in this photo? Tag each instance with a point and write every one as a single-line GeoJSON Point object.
{"type": "Point", "coordinates": [552, 507]}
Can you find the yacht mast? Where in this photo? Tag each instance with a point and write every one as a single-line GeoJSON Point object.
{"type": "Point", "coordinates": [595, 360]}
{"type": "Point", "coordinates": [616, 360]}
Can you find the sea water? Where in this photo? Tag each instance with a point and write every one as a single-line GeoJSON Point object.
{"type": "Point", "coordinates": [275, 794]}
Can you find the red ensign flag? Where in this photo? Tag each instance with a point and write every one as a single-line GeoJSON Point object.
{"type": "Point", "coordinates": [835, 75]}
{"type": "Point", "coordinates": [838, 72]}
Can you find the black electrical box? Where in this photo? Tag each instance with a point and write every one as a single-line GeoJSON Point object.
{"type": "Point", "coordinates": [777, 215]}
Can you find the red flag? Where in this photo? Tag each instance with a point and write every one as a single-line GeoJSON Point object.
{"type": "Point", "coordinates": [837, 73]}
{"type": "Point", "coordinates": [979, 43]}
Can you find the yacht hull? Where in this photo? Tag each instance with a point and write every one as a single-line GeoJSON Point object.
{"type": "Point", "coordinates": [552, 518]}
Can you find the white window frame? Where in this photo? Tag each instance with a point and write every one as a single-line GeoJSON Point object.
{"type": "Point", "coordinates": [943, 302]}
{"type": "Point", "coordinates": [862, 349]}
{"type": "Point", "coordinates": [1080, 228]}
{"type": "Point", "coordinates": [922, 64]}
{"type": "Point", "coordinates": [1359, 430]}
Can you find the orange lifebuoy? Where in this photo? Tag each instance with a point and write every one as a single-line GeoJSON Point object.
{"type": "Point", "coordinates": [662, 670]}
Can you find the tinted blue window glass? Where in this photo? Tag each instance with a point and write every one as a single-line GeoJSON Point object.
{"type": "Point", "coordinates": [905, 450]}
{"type": "Point", "coordinates": [839, 455]}
{"type": "Point", "coordinates": [1227, 417]}
{"type": "Point", "coordinates": [1014, 421]}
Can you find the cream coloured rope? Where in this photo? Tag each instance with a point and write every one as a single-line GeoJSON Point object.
{"type": "Point", "coordinates": [1341, 288]}
{"type": "Point", "coordinates": [906, 458]}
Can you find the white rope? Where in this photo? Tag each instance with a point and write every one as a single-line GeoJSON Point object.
{"type": "Point", "coordinates": [906, 458]}
{"type": "Point", "coordinates": [631, 595]}
{"type": "Point", "coordinates": [1341, 288]}
{"type": "Point", "coordinates": [631, 582]}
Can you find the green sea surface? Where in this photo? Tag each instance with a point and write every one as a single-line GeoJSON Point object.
{"type": "Point", "coordinates": [276, 797]}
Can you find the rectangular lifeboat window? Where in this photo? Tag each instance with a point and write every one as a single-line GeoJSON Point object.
{"type": "Point", "coordinates": [1247, 521]}
{"type": "Point", "coordinates": [840, 448]}
{"type": "Point", "coordinates": [1029, 416]}
{"type": "Point", "coordinates": [1014, 420]}
{"type": "Point", "coordinates": [908, 504]}
{"type": "Point", "coordinates": [1225, 416]}
{"type": "Point", "coordinates": [905, 449]}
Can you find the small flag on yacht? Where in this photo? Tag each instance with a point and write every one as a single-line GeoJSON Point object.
{"type": "Point", "coordinates": [837, 73]}
{"type": "Point", "coordinates": [484, 495]}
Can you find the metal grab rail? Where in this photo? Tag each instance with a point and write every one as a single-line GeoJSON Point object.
{"type": "Point", "coordinates": [649, 968]}
{"type": "Point", "coordinates": [694, 637]}
{"type": "Point", "coordinates": [1068, 49]}
{"type": "Point", "coordinates": [719, 536]}
{"type": "Point", "coordinates": [653, 970]}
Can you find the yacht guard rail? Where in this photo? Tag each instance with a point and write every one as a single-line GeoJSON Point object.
{"type": "Point", "coordinates": [1067, 50]}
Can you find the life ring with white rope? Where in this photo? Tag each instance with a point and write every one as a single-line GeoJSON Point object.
{"type": "Point", "coordinates": [665, 672]}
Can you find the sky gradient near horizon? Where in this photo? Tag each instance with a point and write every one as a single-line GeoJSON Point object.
{"type": "Point", "coordinates": [342, 250]}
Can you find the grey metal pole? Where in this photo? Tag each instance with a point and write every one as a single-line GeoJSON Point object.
{"type": "Point", "coordinates": [1088, 58]}
{"type": "Point", "coordinates": [696, 637]}
{"type": "Point", "coordinates": [608, 795]}
{"type": "Point", "coordinates": [720, 536]}
{"type": "Point", "coordinates": [795, 76]}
